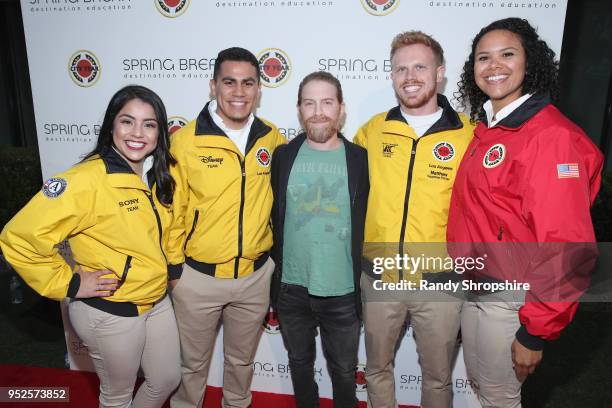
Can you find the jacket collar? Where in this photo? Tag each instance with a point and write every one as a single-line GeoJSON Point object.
{"type": "Point", "coordinates": [524, 112]}
{"type": "Point", "coordinates": [114, 163]}
{"type": "Point", "coordinates": [121, 174]}
{"type": "Point", "coordinates": [206, 126]}
{"type": "Point", "coordinates": [448, 121]}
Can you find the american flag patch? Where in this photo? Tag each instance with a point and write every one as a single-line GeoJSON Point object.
{"type": "Point", "coordinates": [568, 170]}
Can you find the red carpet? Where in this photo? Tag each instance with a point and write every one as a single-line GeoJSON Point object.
{"type": "Point", "coordinates": [83, 388]}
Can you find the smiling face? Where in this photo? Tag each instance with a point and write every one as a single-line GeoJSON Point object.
{"type": "Point", "coordinates": [416, 74]}
{"type": "Point", "coordinates": [320, 111]}
{"type": "Point", "coordinates": [236, 90]}
{"type": "Point", "coordinates": [135, 132]}
{"type": "Point", "coordinates": [499, 67]}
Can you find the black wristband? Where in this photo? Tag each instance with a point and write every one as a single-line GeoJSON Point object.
{"type": "Point", "coordinates": [74, 285]}
{"type": "Point", "coordinates": [529, 340]}
{"type": "Point", "coordinates": [175, 271]}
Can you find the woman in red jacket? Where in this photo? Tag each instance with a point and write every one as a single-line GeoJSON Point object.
{"type": "Point", "coordinates": [521, 199]}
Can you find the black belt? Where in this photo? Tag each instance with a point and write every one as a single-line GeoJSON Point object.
{"type": "Point", "coordinates": [209, 269]}
{"type": "Point", "coordinates": [124, 309]}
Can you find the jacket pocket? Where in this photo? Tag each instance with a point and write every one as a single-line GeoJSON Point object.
{"type": "Point", "coordinates": [193, 227]}
{"type": "Point", "coordinates": [126, 268]}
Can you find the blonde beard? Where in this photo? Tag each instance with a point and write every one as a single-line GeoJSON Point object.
{"type": "Point", "coordinates": [320, 135]}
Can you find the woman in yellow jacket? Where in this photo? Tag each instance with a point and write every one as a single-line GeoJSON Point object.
{"type": "Point", "coordinates": [111, 207]}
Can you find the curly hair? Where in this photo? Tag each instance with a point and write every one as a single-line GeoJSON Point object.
{"type": "Point", "coordinates": [541, 72]}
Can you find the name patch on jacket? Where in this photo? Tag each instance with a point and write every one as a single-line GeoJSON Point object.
{"type": "Point", "coordinates": [211, 162]}
{"type": "Point", "coordinates": [130, 205]}
{"type": "Point", "coordinates": [439, 172]}
{"type": "Point", "coordinates": [54, 187]}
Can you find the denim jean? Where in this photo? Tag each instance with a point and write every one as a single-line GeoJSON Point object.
{"type": "Point", "coordinates": [299, 315]}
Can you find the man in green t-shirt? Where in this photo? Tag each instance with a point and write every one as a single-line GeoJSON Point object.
{"type": "Point", "coordinates": [320, 185]}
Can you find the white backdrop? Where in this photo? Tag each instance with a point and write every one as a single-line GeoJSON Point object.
{"type": "Point", "coordinates": [81, 51]}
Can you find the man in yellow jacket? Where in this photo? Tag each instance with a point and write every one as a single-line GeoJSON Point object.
{"type": "Point", "coordinates": [414, 151]}
{"type": "Point", "coordinates": [219, 257]}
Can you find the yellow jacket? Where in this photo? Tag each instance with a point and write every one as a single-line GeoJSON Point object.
{"type": "Point", "coordinates": [223, 199]}
{"type": "Point", "coordinates": [411, 180]}
{"type": "Point", "coordinates": [112, 221]}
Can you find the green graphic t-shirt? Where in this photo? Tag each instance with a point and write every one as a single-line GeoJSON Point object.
{"type": "Point", "coordinates": [317, 247]}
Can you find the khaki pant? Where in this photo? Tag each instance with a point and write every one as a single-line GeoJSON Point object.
{"type": "Point", "coordinates": [435, 325]}
{"type": "Point", "coordinates": [488, 329]}
{"type": "Point", "coordinates": [120, 345]}
{"type": "Point", "coordinates": [201, 302]}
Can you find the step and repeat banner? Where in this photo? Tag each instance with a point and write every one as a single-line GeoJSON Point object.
{"type": "Point", "coordinates": [82, 51]}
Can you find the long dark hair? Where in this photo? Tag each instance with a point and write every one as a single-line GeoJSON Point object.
{"type": "Point", "coordinates": [162, 157]}
{"type": "Point", "coordinates": [541, 72]}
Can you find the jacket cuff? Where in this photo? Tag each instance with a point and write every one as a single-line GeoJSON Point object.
{"type": "Point", "coordinates": [529, 340]}
{"type": "Point", "coordinates": [74, 285]}
{"type": "Point", "coordinates": [175, 271]}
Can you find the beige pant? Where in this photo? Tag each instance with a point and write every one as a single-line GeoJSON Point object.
{"type": "Point", "coordinates": [201, 302]}
{"type": "Point", "coordinates": [435, 327]}
{"type": "Point", "coordinates": [120, 345]}
{"type": "Point", "coordinates": [488, 329]}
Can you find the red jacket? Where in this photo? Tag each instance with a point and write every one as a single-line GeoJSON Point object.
{"type": "Point", "coordinates": [523, 195]}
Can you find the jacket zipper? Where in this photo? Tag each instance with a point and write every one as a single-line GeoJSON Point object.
{"type": "Point", "coordinates": [159, 226]}
{"type": "Point", "coordinates": [406, 199]}
{"type": "Point", "coordinates": [240, 216]}
{"type": "Point", "coordinates": [507, 246]}
{"type": "Point", "coordinates": [193, 227]}
{"type": "Point", "coordinates": [126, 268]}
